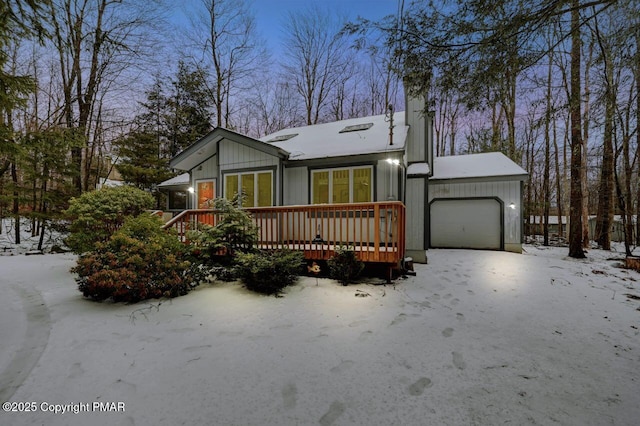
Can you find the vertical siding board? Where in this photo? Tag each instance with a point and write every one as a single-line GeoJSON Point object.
{"type": "Point", "coordinates": [507, 191]}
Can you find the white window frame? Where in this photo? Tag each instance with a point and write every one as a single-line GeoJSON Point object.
{"type": "Point", "coordinates": [255, 174]}
{"type": "Point", "coordinates": [351, 181]}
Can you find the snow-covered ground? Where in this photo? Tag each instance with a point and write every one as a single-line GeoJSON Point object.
{"type": "Point", "coordinates": [28, 243]}
{"type": "Point", "coordinates": [476, 338]}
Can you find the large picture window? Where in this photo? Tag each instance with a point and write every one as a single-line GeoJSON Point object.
{"type": "Point", "coordinates": [257, 187]}
{"type": "Point", "coordinates": [348, 185]}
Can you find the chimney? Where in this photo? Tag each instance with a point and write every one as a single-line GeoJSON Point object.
{"type": "Point", "coordinates": [419, 147]}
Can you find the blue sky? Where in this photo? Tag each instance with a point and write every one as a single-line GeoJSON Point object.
{"type": "Point", "coordinates": [270, 14]}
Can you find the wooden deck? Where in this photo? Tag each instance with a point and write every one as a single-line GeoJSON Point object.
{"type": "Point", "coordinates": [375, 230]}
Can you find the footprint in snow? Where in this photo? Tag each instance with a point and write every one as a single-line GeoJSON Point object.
{"type": "Point", "coordinates": [458, 362]}
{"type": "Point", "coordinates": [365, 335]}
{"type": "Point", "coordinates": [335, 411]}
{"type": "Point", "coordinates": [400, 318]}
{"type": "Point", "coordinates": [342, 366]}
{"type": "Point", "coordinates": [447, 332]}
{"type": "Point", "coordinates": [289, 395]}
{"type": "Point", "coordinates": [417, 388]}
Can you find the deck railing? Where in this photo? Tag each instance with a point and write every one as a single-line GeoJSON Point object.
{"type": "Point", "coordinates": [375, 230]}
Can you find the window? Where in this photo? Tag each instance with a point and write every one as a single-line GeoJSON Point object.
{"type": "Point", "coordinates": [257, 187]}
{"type": "Point", "coordinates": [336, 186]}
{"type": "Point", "coordinates": [356, 128]}
{"type": "Point", "coordinates": [282, 138]}
{"type": "Point", "coordinates": [177, 200]}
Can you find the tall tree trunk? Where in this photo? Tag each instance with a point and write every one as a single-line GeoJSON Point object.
{"type": "Point", "coordinates": [585, 148]}
{"type": "Point", "coordinates": [16, 200]}
{"type": "Point", "coordinates": [626, 213]}
{"type": "Point", "coordinates": [546, 187]}
{"type": "Point", "coordinates": [638, 139]}
{"type": "Point", "coordinates": [575, 207]}
{"type": "Point", "coordinates": [605, 192]}
{"type": "Point", "coordinates": [559, 181]}
{"type": "Point", "coordinates": [605, 199]}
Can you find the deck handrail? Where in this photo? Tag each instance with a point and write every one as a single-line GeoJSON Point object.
{"type": "Point", "coordinates": [375, 230]}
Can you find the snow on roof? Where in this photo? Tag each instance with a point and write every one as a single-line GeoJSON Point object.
{"type": "Point", "coordinates": [489, 164]}
{"type": "Point", "coordinates": [182, 179]}
{"type": "Point", "coordinates": [418, 169]}
{"type": "Point", "coordinates": [331, 140]}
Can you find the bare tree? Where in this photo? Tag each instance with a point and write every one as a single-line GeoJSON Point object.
{"type": "Point", "coordinates": [96, 42]}
{"type": "Point", "coordinates": [224, 37]}
{"type": "Point", "coordinates": [577, 143]}
{"type": "Point", "coordinates": [273, 106]}
{"type": "Point", "coordinates": [604, 218]}
{"type": "Point", "coordinates": [316, 58]}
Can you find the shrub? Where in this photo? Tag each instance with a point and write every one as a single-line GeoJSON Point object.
{"type": "Point", "coordinates": [140, 261]}
{"type": "Point", "coordinates": [269, 272]}
{"type": "Point", "coordinates": [234, 232]}
{"type": "Point", "coordinates": [344, 265]}
{"type": "Point", "coordinates": [98, 214]}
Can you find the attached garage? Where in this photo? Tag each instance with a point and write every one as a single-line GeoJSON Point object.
{"type": "Point", "coordinates": [474, 223]}
{"type": "Point", "coordinates": [475, 201]}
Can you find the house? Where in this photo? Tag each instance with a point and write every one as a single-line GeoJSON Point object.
{"type": "Point", "coordinates": [535, 226]}
{"type": "Point", "coordinates": [470, 201]}
{"type": "Point", "coordinates": [617, 232]}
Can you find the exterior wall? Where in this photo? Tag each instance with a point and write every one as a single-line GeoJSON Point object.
{"type": "Point", "coordinates": [387, 181]}
{"type": "Point", "coordinates": [206, 170]}
{"type": "Point", "coordinates": [417, 219]}
{"type": "Point", "coordinates": [389, 186]}
{"type": "Point", "coordinates": [233, 156]}
{"type": "Point", "coordinates": [296, 186]}
{"type": "Point", "coordinates": [419, 148]}
{"type": "Point", "coordinates": [507, 191]}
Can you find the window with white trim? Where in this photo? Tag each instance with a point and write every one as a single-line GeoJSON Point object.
{"type": "Point", "coordinates": [344, 185]}
{"type": "Point", "coordinates": [257, 187]}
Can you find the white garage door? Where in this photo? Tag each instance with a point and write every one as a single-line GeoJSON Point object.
{"type": "Point", "coordinates": [471, 223]}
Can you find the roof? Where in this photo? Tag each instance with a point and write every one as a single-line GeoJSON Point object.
{"type": "Point", "coordinates": [206, 147]}
{"type": "Point", "coordinates": [183, 179]}
{"type": "Point", "coordinates": [488, 164]}
{"type": "Point", "coordinates": [355, 136]}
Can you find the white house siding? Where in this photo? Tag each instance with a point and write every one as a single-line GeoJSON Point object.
{"type": "Point", "coordinates": [507, 191]}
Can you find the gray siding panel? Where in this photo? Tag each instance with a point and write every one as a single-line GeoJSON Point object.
{"type": "Point", "coordinates": [388, 178]}
{"type": "Point", "coordinates": [416, 147]}
{"type": "Point", "coordinates": [206, 170]}
{"type": "Point", "coordinates": [237, 156]}
{"type": "Point", "coordinates": [296, 186]}
{"type": "Point", "coordinates": [507, 191]}
{"type": "Point", "coordinates": [415, 211]}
